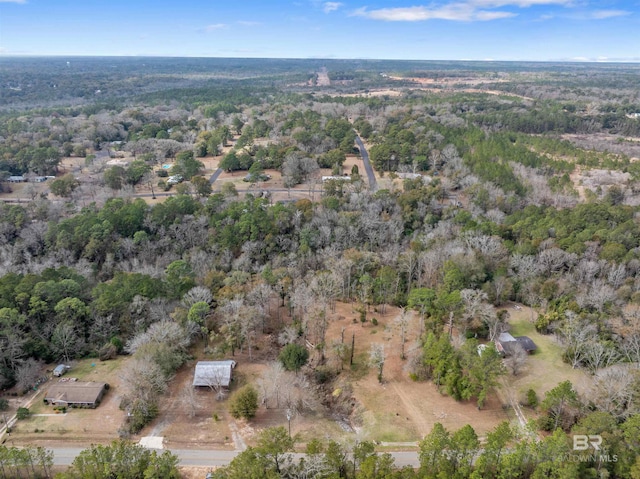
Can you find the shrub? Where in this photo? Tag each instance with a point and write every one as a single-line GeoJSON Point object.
{"type": "Point", "coordinates": [4, 404]}
{"type": "Point", "coordinates": [108, 351]}
{"type": "Point", "coordinates": [532, 399]}
{"type": "Point", "coordinates": [323, 375]}
{"type": "Point", "coordinates": [244, 403]}
{"type": "Point", "coordinates": [141, 414]}
{"type": "Point", "coordinates": [293, 357]}
{"type": "Point", "coordinates": [117, 342]}
{"type": "Point", "coordinates": [23, 413]}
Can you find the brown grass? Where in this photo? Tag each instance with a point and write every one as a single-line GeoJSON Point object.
{"type": "Point", "coordinates": [83, 426]}
{"type": "Point", "coordinates": [400, 409]}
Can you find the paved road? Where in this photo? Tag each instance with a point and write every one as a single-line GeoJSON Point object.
{"type": "Point", "coordinates": [215, 175]}
{"type": "Point", "coordinates": [373, 184]}
{"type": "Point", "coordinates": [212, 458]}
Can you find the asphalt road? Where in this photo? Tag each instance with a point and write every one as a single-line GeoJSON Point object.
{"type": "Point", "coordinates": [215, 175]}
{"type": "Point", "coordinates": [212, 458]}
{"type": "Point", "coordinates": [373, 184]}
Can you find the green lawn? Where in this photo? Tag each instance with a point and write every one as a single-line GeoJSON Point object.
{"type": "Point", "coordinates": [545, 368]}
{"type": "Point", "coordinates": [548, 349]}
{"type": "Point", "coordinates": [93, 369]}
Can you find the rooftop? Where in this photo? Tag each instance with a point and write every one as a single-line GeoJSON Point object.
{"type": "Point", "coordinates": [213, 373]}
{"type": "Point", "coordinates": [75, 392]}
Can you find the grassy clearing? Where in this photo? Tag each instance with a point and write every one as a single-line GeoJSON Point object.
{"type": "Point", "coordinates": [386, 426]}
{"type": "Point", "coordinates": [545, 368]}
{"type": "Point", "coordinates": [93, 369]}
{"type": "Point", "coordinates": [548, 350]}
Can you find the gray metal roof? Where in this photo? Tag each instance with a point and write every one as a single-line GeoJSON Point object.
{"type": "Point", "coordinates": [213, 373]}
{"type": "Point", "coordinates": [505, 338]}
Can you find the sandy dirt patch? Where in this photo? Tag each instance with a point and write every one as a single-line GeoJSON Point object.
{"type": "Point", "coordinates": [400, 409]}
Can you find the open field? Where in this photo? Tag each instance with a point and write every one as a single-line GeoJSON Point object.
{"type": "Point", "coordinates": [544, 369]}
{"type": "Point", "coordinates": [410, 408]}
{"type": "Point", "coordinates": [397, 411]}
{"type": "Point", "coordinates": [416, 406]}
{"type": "Point", "coordinates": [84, 426]}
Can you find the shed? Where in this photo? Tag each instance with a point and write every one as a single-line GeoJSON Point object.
{"type": "Point", "coordinates": [16, 179]}
{"type": "Point", "coordinates": [213, 373]}
{"type": "Point", "coordinates": [59, 370]}
{"type": "Point", "coordinates": [78, 394]}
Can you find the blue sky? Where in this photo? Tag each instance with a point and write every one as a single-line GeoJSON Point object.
{"type": "Point", "coordinates": [386, 29]}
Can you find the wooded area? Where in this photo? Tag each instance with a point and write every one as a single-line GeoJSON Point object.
{"type": "Point", "coordinates": [482, 201]}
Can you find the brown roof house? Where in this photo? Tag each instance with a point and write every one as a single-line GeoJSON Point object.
{"type": "Point", "coordinates": [76, 394]}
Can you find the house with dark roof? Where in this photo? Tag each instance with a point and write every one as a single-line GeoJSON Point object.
{"type": "Point", "coordinates": [505, 344]}
{"type": "Point", "coordinates": [214, 374]}
{"type": "Point", "coordinates": [76, 394]}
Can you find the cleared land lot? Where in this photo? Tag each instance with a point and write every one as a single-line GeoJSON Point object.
{"type": "Point", "coordinates": [78, 426]}
{"type": "Point", "coordinates": [397, 411]}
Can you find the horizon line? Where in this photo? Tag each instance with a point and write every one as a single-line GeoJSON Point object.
{"type": "Point", "coordinates": [327, 58]}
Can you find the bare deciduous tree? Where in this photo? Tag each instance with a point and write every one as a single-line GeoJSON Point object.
{"type": "Point", "coordinates": [214, 379]}
{"type": "Point", "coordinates": [189, 399]}
{"type": "Point", "coordinates": [270, 384]}
{"type": "Point", "coordinates": [196, 295]}
{"type": "Point", "coordinates": [163, 332]}
{"type": "Point", "coordinates": [28, 373]}
{"type": "Point", "coordinates": [143, 380]}
{"type": "Point", "coordinates": [517, 359]}
{"type": "Point", "coordinates": [402, 320]}
{"type": "Point", "coordinates": [598, 354]}
{"type": "Point", "coordinates": [66, 343]}
{"type": "Point", "coordinates": [630, 348]}
{"type": "Point", "coordinates": [377, 358]}
{"type": "Point", "coordinates": [574, 334]}
{"type": "Point", "coordinates": [613, 390]}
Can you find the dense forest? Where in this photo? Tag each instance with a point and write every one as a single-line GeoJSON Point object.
{"type": "Point", "coordinates": [491, 197]}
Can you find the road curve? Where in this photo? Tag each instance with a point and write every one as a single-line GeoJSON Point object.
{"type": "Point", "coordinates": [373, 184]}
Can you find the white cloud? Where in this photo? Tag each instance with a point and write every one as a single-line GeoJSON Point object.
{"type": "Point", "coordinates": [328, 7]}
{"type": "Point", "coordinates": [602, 14]}
{"type": "Point", "coordinates": [13, 1]}
{"type": "Point", "coordinates": [215, 26]}
{"type": "Point", "coordinates": [486, 15]}
{"type": "Point", "coordinates": [463, 11]}
{"type": "Point", "coordinates": [519, 3]}
{"type": "Point", "coordinates": [248, 23]}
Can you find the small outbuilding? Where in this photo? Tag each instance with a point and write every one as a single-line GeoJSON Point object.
{"type": "Point", "coordinates": [214, 374]}
{"type": "Point", "coordinates": [76, 394]}
{"type": "Point", "coordinates": [59, 370]}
